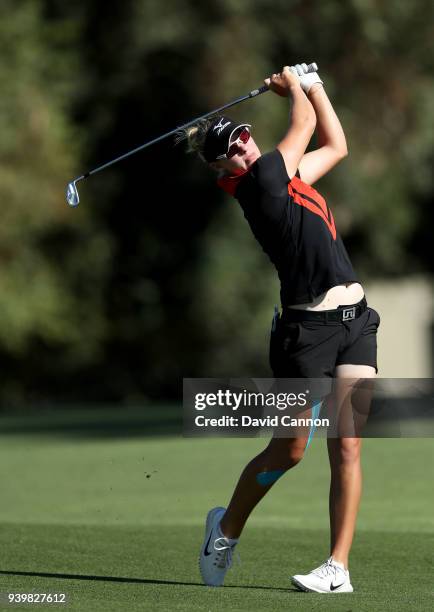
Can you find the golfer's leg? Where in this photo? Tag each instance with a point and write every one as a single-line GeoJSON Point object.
{"type": "Point", "coordinates": [345, 493]}
{"type": "Point", "coordinates": [346, 479]}
{"type": "Point", "coordinates": [257, 478]}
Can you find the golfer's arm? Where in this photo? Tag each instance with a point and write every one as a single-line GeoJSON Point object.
{"type": "Point", "coordinates": [301, 128]}
{"type": "Point", "coordinates": [332, 145]}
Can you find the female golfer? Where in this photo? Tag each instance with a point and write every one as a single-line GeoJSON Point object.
{"type": "Point", "coordinates": [325, 329]}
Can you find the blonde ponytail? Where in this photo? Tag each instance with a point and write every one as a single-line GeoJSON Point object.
{"type": "Point", "coordinates": [195, 136]}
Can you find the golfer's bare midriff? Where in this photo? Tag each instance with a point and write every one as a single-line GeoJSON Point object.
{"type": "Point", "coordinates": [341, 295]}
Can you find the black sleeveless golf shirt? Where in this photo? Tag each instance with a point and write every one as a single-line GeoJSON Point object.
{"type": "Point", "coordinates": [295, 227]}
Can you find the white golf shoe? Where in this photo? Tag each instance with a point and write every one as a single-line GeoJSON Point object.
{"type": "Point", "coordinates": [216, 553]}
{"type": "Point", "coordinates": [330, 577]}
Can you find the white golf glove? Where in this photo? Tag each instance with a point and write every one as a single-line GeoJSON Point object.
{"type": "Point", "coordinates": [306, 79]}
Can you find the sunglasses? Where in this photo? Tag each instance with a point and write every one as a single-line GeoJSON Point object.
{"type": "Point", "coordinates": [242, 138]}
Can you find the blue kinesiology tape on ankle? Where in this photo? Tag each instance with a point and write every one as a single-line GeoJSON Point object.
{"type": "Point", "coordinates": [267, 478]}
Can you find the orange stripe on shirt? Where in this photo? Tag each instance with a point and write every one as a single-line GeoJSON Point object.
{"type": "Point", "coordinates": [306, 189]}
{"type": "Point", "coordinates": [318, 208]}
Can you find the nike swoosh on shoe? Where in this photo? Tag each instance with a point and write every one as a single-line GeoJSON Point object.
{"type": "Point", "coordinates": [207, 552]}
{"type": "Point", "coordinates": [333, 587]}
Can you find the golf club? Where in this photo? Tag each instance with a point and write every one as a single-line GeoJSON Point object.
{"type": "Point", "coordinates": [72, 196]}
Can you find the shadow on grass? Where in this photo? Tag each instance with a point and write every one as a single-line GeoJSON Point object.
{"type": "Point", "coordinates": [136, 580]}
{"type": "Point", "coordinates": [97, 422]}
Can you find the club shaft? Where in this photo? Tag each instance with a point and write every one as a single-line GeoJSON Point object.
{"type": "Point", "coordinates": [251, 94]}
{"type": "Point", "coordinates": [163, 136]}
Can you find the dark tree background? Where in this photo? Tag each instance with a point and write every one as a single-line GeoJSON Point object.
{"type": "Point", "coordinates": [155, 276]}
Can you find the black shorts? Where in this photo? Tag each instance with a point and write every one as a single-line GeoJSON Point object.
{"type": "Point", "coordinates": [312, 349]}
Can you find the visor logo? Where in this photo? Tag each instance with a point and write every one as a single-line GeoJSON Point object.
{"type": "Point", "coordinates": [220, 126]}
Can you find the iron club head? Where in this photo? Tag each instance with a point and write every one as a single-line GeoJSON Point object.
{"type": "Point", "coordinates": [72, 196]}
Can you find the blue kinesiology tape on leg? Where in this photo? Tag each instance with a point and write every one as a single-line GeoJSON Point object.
{"type": "Point", "coordinates": [316, 407]}
{"type": "Point", "coordinates": [266, 479]}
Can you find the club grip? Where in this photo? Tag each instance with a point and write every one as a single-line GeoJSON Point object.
{"type": "Point", "coordinates": [313, 67]}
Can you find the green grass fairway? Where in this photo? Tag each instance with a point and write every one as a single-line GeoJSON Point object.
{"type": "Point", "coordinates": [117, 522]}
